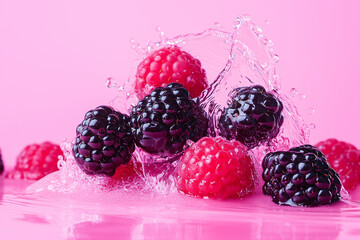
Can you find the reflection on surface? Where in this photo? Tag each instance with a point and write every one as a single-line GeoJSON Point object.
{"type": "Point", "coordinates": [174, 216]}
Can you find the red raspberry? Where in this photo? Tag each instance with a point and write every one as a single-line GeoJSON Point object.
{"type": "Point", "coordinates": [216, 168]}
{"type": "Point", "coordinates": [168, 65]}
{"type": "Point", "coordinates": [344, 159]}
{"type": "Point", "coordinates": [128, 172]}
{"type": "Point", "coordinates": [36, 161]}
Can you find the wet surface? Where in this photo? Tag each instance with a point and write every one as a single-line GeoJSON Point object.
{"type": "Point", "coordinates": [117, 215]}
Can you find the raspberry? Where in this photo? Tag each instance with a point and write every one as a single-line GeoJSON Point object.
{"type": "Point", "coordinates": [345, 159]}
{"type": "Point", "coordinates": [300, 176]}
{"type": "Point", "coordinates": [216, 168]}
{"type": "Point", "coordinates": [1, 164]}
{"type": "Point", "coordinates": [36, 161]}
{"type": "Point", "coordinates": [103, 141]}
{"type": "Point", "coordinates": [128, 172]}
{"type": "Point", "coordinates": [253, 117]}
{"type": "Point", "coordinates": [163, 121]}
{"type": "Point", "coordinates": [167, 65]}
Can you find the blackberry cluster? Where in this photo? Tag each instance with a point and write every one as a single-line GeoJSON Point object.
{"type": "Point", "coordinates": [253, 117]}
{"type": "Point", "coordinates": [164, 120]}
{"type": "Point", "coordinates": [103, 141]}
{"type": "Point", "coordinates": [1, 164]}
{"type": "Point", "coordinates": [300, 176]}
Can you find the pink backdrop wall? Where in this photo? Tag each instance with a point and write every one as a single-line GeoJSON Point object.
{"type": "Point", "coordinates": [56, 55]}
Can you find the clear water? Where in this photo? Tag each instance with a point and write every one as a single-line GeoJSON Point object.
{"type": "Point", "coordinates": [69, 204]}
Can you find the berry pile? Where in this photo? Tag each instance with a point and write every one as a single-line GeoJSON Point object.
{"type": "Point", "coordinates": [36, 161]}
{"type": "Point", "coordinates": [300, 176]}
{"type": "Point", "coordinates": [168, 65]}
{"type": "Point", "coordinates": [170, 117]}
{"type": "Point", "coordinates": [164, 120]}
{"type": "Point", "coordinates": [345, 159]}
{"type": "Point", "coordinates": [103, 141]}
{"type": "Point", "coordinates": [216, 168]}
{"type": "Point", "coordinates": [253, 117]}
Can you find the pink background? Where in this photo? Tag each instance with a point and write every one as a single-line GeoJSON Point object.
{"type": "Point", "coordinates": [56, 55]}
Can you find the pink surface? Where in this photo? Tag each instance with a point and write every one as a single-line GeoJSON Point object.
{"type": "Point", "coordinates": [171, 216]}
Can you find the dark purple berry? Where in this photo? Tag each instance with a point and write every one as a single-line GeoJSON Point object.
{"type": "Point", "coordinates": [300, 176]}
{"type": "Point", "coordinates": [1, 164]}
{"type": "Point", "coordinates": [103, 141]}
{"type": "Point", "coordinates": [253, 117]}
{"type": "Point", "coordinates": [164, 120]}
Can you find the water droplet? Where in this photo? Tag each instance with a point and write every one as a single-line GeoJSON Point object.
{"type": "Point", "coordinates": [267, 22]}
{"type": "Point", "coordinates": [293, 92]}
{"type": "Point", "coordinates": [311, 126]}
{"type": "Point", "coordinates": [275, 58]}
{"type": "Point", "coordinates": [246, 17]}
{"type": "Point", "coordinates": [161, 36]}
{"type": "Point", "coordinates": [270, 43]}
{"type": "Point", "coordinates": [276, 78]}
{"type": "Point", "coordinates": [61, 163]}
{"type": "Point", "coordinates": [311, 111]}
{"type": "Point", "coordinates": [110, 83]}
{"type": "Point", "coordinates": [216, 25]}
{"type": "Point", "coordinates": [302, 96]}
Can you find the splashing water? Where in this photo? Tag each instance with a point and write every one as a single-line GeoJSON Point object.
{"type": "Point", "coordinates": [241, 57]}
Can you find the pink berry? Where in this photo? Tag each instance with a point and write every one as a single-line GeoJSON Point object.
{"type": "Point", "coordinates": [344, 158]}
{"type": "Point", "coordinates": [36, 161]}
{"type": "Point", "coordinates": [168, 65]}
{"type": "Point", "coordinates": [216, 168]}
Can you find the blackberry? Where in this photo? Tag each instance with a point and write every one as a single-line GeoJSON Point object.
{"type": "Point", "coordinates": [103, 141]}
{"type": "Point", "coordinates": [1, 164]}
{"type": "Point", "coordinates": [164, 120]}
{"type": "Point", "coordinates": [253, 117]}
{"type": "Point", "coordinates": [300, 176]}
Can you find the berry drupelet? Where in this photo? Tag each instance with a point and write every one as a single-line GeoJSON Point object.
{"type": "Point", "coordinates": [164, 120]}
{"type": "Point", "coordinates": [300, 176]}
{"type": "Point", "coordinates": [103, 141]}
{"type": "Point", "coordinates": [253, 117]}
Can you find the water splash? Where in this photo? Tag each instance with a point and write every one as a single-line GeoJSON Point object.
{"type": "Point", "coordinates": [241, 57]}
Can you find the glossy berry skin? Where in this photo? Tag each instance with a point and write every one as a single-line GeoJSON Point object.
{"type": "Point", "coordinates": [300, 177]}
{"type": "Point", "coordinates": [216, 168]}
{"type": "Point", "coordinates": [164, 120]}
{"type": "Point", "coordinates": [36, 161]}
{"type": "Point", "coordinates": [1, 164]}
{"type": "Point", "coordinates": [167, 65]}
{"type": "Point", "coordinates": [253, 116]}
{"type": "Point", "coordinates": [103, 141]}
{"type": "Point", "coordinates": [345, 159]}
